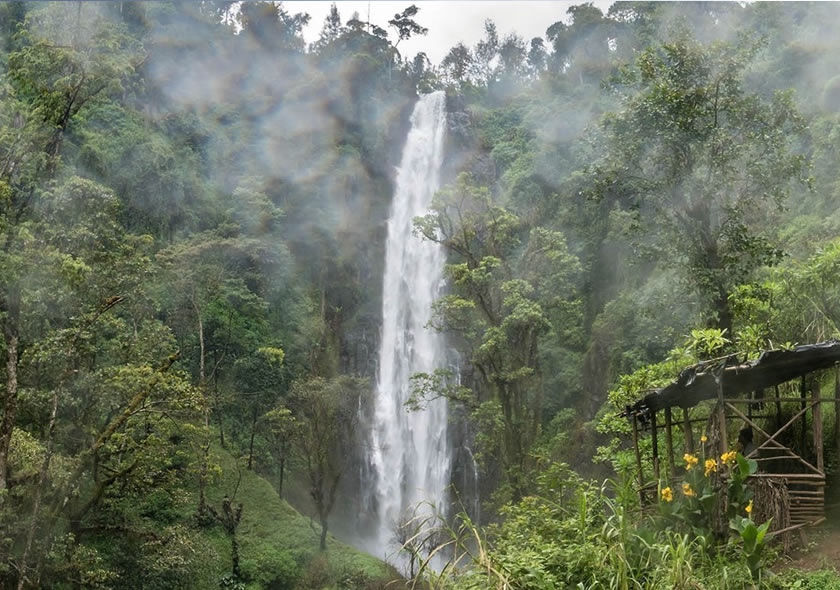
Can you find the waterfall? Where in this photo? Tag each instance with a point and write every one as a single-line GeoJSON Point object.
{"type": "Point", "coordinates": [409, 452]}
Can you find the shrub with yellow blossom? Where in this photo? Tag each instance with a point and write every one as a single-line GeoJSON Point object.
{"type": "Point", "coordinates": [695, 510]}
{"type": "Point", "coordinates": [690, 461]}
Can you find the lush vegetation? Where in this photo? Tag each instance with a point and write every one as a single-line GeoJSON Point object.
{"type": "Point", "coordinates": [192, 221]}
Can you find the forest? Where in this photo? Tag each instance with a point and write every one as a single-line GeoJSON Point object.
{"type": "Point", "coordinates": [197, 223]}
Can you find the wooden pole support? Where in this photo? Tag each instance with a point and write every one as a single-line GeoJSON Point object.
{"type": "Point", "coordinates": [818, 426]}
{"type": "Point", "coordinates": [778, 407]}
{"type": "Point", "coordinates": [655, 445]}
{"type": "Point", "coordinates": [803, 436]}
{"type": "Point", "coordinates": [837, 409]}
{"type": "Point", "coordinates": [724, 443]}
{"type": "Point", "coordinates": [638, 455]}
{"type": "Point", "coordinates": [688, 434]}
{"type": "Point", "coordinates": [669, 442]}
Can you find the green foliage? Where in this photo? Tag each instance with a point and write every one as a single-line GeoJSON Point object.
{"type": "Point", "coordinates": [753, 538]}
{"type": "Point", "coordinates": [704, 152]}
{"type": "Point", "coordinates": [186, 240]}
{"type": "Point", "coordinates": [513, 290]}
{"type": "Point", "coordinates": [583, 536]}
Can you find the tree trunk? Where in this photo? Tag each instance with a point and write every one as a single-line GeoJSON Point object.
{"type": "Point", "coordinates": [9, 407]}
{"type": "Point", "coordinates": [282, 473]}
{"type": "Point", "coordinates": [218, 405]}
{"type": "Point", "coordinates": [221, 431]}
{"type": "Point", "coordinates": [234, 557]}
{"type": "Point", "coordinates": [201, 383]}
{"type": "Point", "coordinates": [323, 533]}
{"type": "Point", "coordinates": [39, 488]}
{"type": "Point", "coordinates": [724, 313]}
{"type": "Point", "coordinates": [11, 305]}
{"type": "Point", "coordinates": [251, 445]}
{"type": "Point", "coordinates": [205, 448]}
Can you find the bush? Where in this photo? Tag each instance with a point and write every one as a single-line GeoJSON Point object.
{"type": "Point", "coordinates": [271, 569]}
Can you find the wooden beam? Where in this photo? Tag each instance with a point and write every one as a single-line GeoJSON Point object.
{"type": "Point", "coordinates": [692, 421]}
{"type": "Point", "coordinates": [837, 408]}
{"type": "Point", "coordinates": [791, 476]}
{"type": "Point", "coordinates": [780, 430]}
{"type": "Point", "coordinates": [787, 529]}
{"type": "Point", "coordinates": [724, 443]}
{"type": "Point", "coordinates": [669, 443]}
{"type": "Point", "coordinates": [738, 400]}
{"type": "Point", "coordinates": [803, 407]}
{"type": "Point", "coordinates": [638, 455]}
{"type": "Point", "coordinates": [778, 407]}
{"type": "Point", "coordinates": [689, 435]}
{"type": "Point", "coordinates": [776, 444]}
{"type": "Point", "coordinates": [655, 445]}
{"type": "Point", "coordinates": [817, 425]}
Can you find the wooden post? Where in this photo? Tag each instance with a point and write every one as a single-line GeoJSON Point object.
{"type": "Point", "coordinates": [778, 408]}
{"type": "Point", "coordinates": [669, 442]}
{"type": "Point", "coordinates": [837, 409]}
{"type": "Point", "coordinates": [638, 454]}
{"type": "Point", "coordinates": [655, 445]}
{"type": "Point", "coordinates": [750, 405]}
{"type": "Point", "coordinates": [689, 435]}
{"type": "Point", "coordinates": [803, 436]}
{"type": "Point", "coordinates": [818, 426]}
{"type": "Point", "coordinates": [724, 443]}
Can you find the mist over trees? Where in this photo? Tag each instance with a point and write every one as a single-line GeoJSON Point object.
{"type": "Point", "coordinates": [193, 205]}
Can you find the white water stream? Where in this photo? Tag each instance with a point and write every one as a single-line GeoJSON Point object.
{"type": "Point", "coordinates": [409, 452]}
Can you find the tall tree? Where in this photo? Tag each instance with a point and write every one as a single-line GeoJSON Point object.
{"type": "Point", "coordinates": [457, 64]}
{"type": "Point", "coordinates": [700, 163]}
{"type": "Point", "coordinates": [512, 285]}
{"type": "Point", "coordinates": [327, 413]}
{"type": "Point", "coordinates": [405, 25]}
{"type": "Point", "coordinates": [258, 377]}
{"type": "Point", "coordinates": [485, 53]}
{"type": "Point", "coordinates": [537, 56]}
{"type": "Point", "coordinates": [48, 83]}
{"type": "Point", "coordinates": [331, 30]}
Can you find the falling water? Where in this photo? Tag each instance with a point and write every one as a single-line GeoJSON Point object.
{"type": "Point", "coordinates": [409, 451]}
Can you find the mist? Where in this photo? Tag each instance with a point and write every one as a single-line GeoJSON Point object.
{"type": "Point", "coordinates": [212, 237]}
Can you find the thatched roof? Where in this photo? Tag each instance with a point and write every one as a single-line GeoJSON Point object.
{"type": "Point", "coordinates": [698, 383]}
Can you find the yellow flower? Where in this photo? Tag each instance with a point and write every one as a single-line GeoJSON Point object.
{"type": "Point", "coordinates": [704, 438]}
{"type": "Point", "coordinates": [728, 457]}
{"type": "Point", "coordinates": [711, 465]}
{"type": "Point", "coordinates": [690, 461]}
{"type": "Point", "coordinates": [687, 490]}
{"type": "Point", "coordinates": [749, 508]}
{"type": "Point", "coordinates": [666, 494]}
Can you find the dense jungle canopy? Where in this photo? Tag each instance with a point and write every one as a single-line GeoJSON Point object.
{"type": "Point", "coordinates": [193, 206]}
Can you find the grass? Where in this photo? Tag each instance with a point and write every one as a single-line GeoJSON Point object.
{"type": "Point", "coordinates": [278, 544]}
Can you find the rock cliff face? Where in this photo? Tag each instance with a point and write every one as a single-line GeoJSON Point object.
{"type": "Point", "coordinates": [463, 152]}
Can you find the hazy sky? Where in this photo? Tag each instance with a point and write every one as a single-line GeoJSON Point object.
{"type": "Point", "coordinates": [448, 21]}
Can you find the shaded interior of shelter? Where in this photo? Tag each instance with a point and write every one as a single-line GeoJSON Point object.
{"type": "Point", "coordinates": [782, 409]}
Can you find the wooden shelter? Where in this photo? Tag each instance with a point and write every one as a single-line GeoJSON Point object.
{"type": "Point", "coordinates": [774, 404]}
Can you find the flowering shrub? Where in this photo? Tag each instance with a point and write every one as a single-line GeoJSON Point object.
{"type": "Point", "coordinates": [700, 510]}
